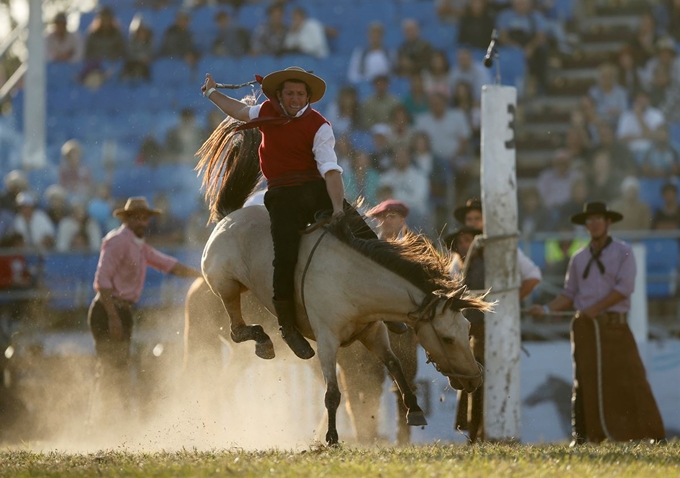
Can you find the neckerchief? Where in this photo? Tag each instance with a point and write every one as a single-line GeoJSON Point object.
{"type": "Point", "coordinates": [595, 257]}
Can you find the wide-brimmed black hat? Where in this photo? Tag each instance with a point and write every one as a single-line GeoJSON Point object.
{"type": "Point", "coordinates": [450, 239]}
{"type": "Point", "coordinates": [592, 208]}
{"type": "Point", "coordinates": [473, 204]}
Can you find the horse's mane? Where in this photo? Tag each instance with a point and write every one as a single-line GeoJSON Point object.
{"type": "Point", "coordinates": [230, 166]}
{"type": "Point", "coordinates": [414, 258]}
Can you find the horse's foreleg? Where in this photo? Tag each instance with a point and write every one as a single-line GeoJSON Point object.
{"type": "Point", "coordinates": [327, 349]}
{"type": "Point", "coordinates": [240, 332]}
{"type": "Point", "coordinates": [378, 342]}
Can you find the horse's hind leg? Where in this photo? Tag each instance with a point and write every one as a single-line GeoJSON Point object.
{"type": "Point", "coordinates": [377, 341]}
{"type": "Point", "coordinates": [240, 332]}
{"type": "Point", "coordinates": [327, 348]}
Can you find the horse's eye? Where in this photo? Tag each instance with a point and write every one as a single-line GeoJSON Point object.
{"type": "Point", "coordinates": [447, 341]}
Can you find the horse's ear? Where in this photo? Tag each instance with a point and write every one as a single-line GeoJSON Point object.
{"type": "Point", "coordinates": [258, 78]}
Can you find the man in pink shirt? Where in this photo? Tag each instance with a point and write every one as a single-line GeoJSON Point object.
{"type": "Point", "coordinates": [118, 281]}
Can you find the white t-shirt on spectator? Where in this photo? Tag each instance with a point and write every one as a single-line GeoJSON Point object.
{"type": "Point", "coordinates": [410, 186]}
{"type": "Point", "coordinates": [630, 126]}
{"type": "Point", "coordinates": [35, 231]}
{"type": "Point", "coordinates": [365, 66]}
{"type": "Point", "coordinates": [310, 39]}
{"type": "Point", "coordinates": [446, 132]}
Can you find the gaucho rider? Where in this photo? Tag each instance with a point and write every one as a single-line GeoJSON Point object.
{"type": "Point", "coordinates": [299, 163]}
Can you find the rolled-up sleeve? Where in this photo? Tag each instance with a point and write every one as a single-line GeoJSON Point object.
{"type": "Point", "coordinates": [324, 150]}
{"type": "Point", "coordinates": [158, 260]}
{"type": "Point", "coordinates": [625, 278]}
{"type": "Point", "coordinates": [254, 111]}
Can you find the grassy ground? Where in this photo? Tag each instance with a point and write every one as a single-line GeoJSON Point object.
{"type": "Point", "coordinates": [621, 460]}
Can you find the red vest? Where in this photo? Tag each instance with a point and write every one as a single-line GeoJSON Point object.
{"type": "Point", "coordinates": [286, 156]}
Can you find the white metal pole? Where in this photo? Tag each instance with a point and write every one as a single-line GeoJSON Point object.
{"type": "Point", "coordinates": [499, 203]}
{"type": "Point", "coordinates": [34, 91]}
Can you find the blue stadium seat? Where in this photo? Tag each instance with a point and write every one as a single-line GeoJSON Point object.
{"type": "Point", "coordinates": [349, 38]}
{"type": "Point", "coordinates": [364, 90]}
{"type": "Point", "coordinates": [153, 289]}
{"type": "Point", "coordinates": [65, 100]}
{"type": "Point", "coordinates": [172, 72]}
{"type": "Point", "coordinates": [513, 66]}
{"type": "Point", "coordinates": [674, 132]}
{"type": "Point", "coordinates": [441, 35]}
{"type": "Point", "coordinates": [61, 74]}
{"type": "Point", "coordinates": [364, 13]}
{"type": "Point", "coordinates": [203, 21]}
{"type": "Point", "coordinates": [562, 10]}
{"type": "Point", "coordinates": [132, 181]}
{"type": "Point", "coordinates": [399, 86]}
{"type": "Point", "coordinates": [223, 69]}
{"type": "Point", "coordinates": [536, 253]}
{"type": "Point", "coordinates": [252, 14]}
{"type": "Point", "coordinates": [66, 277]}
{"type": "Point", "coordinates": [424, 13]}
{"type": "Point", "coordinates": [185, 178]}
{"type": "Point", "coordinates": [40, 179]}
{"type": "Point", "coordinates": [650, 191]}
{"type": "Point", "coordinates": [362, 140]}
{"type": "Point", "coordinates": [662, 266]}
{"type": "Point", "coordinates": [184, 203]}
{"type": "Point", "coordinates": [336, 15]}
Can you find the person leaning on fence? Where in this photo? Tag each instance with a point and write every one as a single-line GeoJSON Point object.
{"type": "Point", "coordinates": [470, 411]}
{"type": "Point", "coordinates": [118, 281]}
{"type": "Point", "coordinates": [611, 398]}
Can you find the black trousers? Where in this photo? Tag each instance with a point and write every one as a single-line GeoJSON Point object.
{"type": "Point", "coordinates": [291, 209]}
{"type": "Point", "coordinates": [114, 353]}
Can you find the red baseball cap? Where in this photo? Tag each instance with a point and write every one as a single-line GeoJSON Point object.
{"type": "Point", "coordinates": [390, 205]}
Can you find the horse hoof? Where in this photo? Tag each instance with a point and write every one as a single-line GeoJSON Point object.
{"type": "Point", "coordinates": [332, 439]}
{"type": "Point", "coordinates": [265, 350]}
{"type": "Point", "coordinates": [416, 419]}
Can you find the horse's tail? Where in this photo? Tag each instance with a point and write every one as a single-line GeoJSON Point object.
{"type": "Point", "coordinates": [230, 165]}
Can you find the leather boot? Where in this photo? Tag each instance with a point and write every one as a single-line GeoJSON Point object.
{"type": "Point", "coordinates": [285, 312]}
{"type": "Point", "coordinates": [396, 327]}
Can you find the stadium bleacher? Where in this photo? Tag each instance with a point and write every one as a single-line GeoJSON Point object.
{"type": "Point", "coordinates": [122, 114]}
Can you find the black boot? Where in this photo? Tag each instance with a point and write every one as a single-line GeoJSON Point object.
{"type": "Point", "coordinates": [396, 327]}
{"type": "Point", "coordinates": [285, 311]}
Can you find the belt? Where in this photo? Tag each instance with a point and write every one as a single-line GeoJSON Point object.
{"type": "Point", "coordinates": [612, 318]}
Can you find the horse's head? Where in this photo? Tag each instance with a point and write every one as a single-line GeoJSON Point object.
{"type": "Point", "coordinates": [444, 333]}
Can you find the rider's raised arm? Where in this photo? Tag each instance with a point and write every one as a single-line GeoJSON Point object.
{"type": "Point", "coordinates": [234, 108]}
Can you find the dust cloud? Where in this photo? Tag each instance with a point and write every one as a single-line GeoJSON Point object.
{"type": "Point", "coordinates": [234, 400]}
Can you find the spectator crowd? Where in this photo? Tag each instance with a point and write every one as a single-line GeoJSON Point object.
{"type": "Point", "coordinates": [406, 113]}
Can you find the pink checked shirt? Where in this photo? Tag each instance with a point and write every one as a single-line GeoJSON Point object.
{"type": "Point", "coordinates": [122, 264]}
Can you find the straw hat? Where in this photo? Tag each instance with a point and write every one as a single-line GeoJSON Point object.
{"type": "Point", "coordinates": [272, 81]}
{"type": "Point", "coordinates": [136, 205]}
{"type": "Point", "coordinates": [592, 208]}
